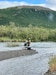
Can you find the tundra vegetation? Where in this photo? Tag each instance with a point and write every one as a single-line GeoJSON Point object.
{"type": "Point", "coordinates": [24, 15]}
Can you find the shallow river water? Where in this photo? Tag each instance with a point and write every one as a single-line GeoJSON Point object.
{"type": "Point", "coordinates": [28, 65]}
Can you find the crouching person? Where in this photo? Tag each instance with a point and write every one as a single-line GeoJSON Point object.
{"type": "Point", "coordinates": [27, 44]}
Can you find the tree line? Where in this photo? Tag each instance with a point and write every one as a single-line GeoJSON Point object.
{"type": "Point", "coordinates": [22, 33]}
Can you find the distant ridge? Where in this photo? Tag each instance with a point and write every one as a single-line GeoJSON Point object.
{"type": "Point", "coordinates": [32, 7]}
{"type": "Point", "coordinates": [28, 15]}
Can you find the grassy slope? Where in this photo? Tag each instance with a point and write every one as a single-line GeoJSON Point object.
{"type": "Point", "coordinates": [25, 15]}
{"type": "Point", "coordinates": [52, 64]}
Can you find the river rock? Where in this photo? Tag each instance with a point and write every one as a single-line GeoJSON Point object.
{"type": "Point", "coordinates": [50, 73]}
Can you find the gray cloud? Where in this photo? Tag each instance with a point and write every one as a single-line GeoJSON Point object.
{"type": "Point", "coordinates": [51, 17]}
{"type": "Point", "coordinates": [51, 4]}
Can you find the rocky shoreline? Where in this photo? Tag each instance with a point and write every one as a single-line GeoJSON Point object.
{"type": "Point", "coordinates": [50, 73]}
{"type": "Point", "coordinates": [15, 53]}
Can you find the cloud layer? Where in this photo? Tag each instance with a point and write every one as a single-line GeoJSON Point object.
{"type": "Point", "coordinates": [49, 3]}
{"type": "Point", "coordinates": [6, 4]}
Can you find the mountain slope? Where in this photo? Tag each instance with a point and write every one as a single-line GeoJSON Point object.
{"type": "Point", "coordinates": [25, 15]}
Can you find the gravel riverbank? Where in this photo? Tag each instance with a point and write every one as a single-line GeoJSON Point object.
{"type": "Point", "coordinates": [15, 53]}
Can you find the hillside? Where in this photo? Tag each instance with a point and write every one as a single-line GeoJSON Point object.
{"type": "Point", "coordinates": [28, 15]}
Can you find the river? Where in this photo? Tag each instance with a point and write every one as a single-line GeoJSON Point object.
{"type": "Point", "coordinates": [28, 65]}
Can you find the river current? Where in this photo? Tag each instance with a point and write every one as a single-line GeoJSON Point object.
{"type": "Point", "coordinates": [36, 64]}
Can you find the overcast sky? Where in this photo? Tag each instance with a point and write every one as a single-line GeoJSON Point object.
{"type": "Point", "coordinates": [46, 3]}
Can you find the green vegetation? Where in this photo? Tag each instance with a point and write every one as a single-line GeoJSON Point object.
{"type": "Point", "coordinates": [13, 33]}
{"type": "Point", "coordinates": [26, 15]}
{"type": "Point", "coordinates": [12, 44]}
{"type": "Point", "coordinates": [52, 64]}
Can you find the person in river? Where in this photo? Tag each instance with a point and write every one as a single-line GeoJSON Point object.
{"type": "Point", "coordinates": [27, 44]}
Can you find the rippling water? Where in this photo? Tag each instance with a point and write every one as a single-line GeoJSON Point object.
{"type": "Point", "coordinates": [28, 65]}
